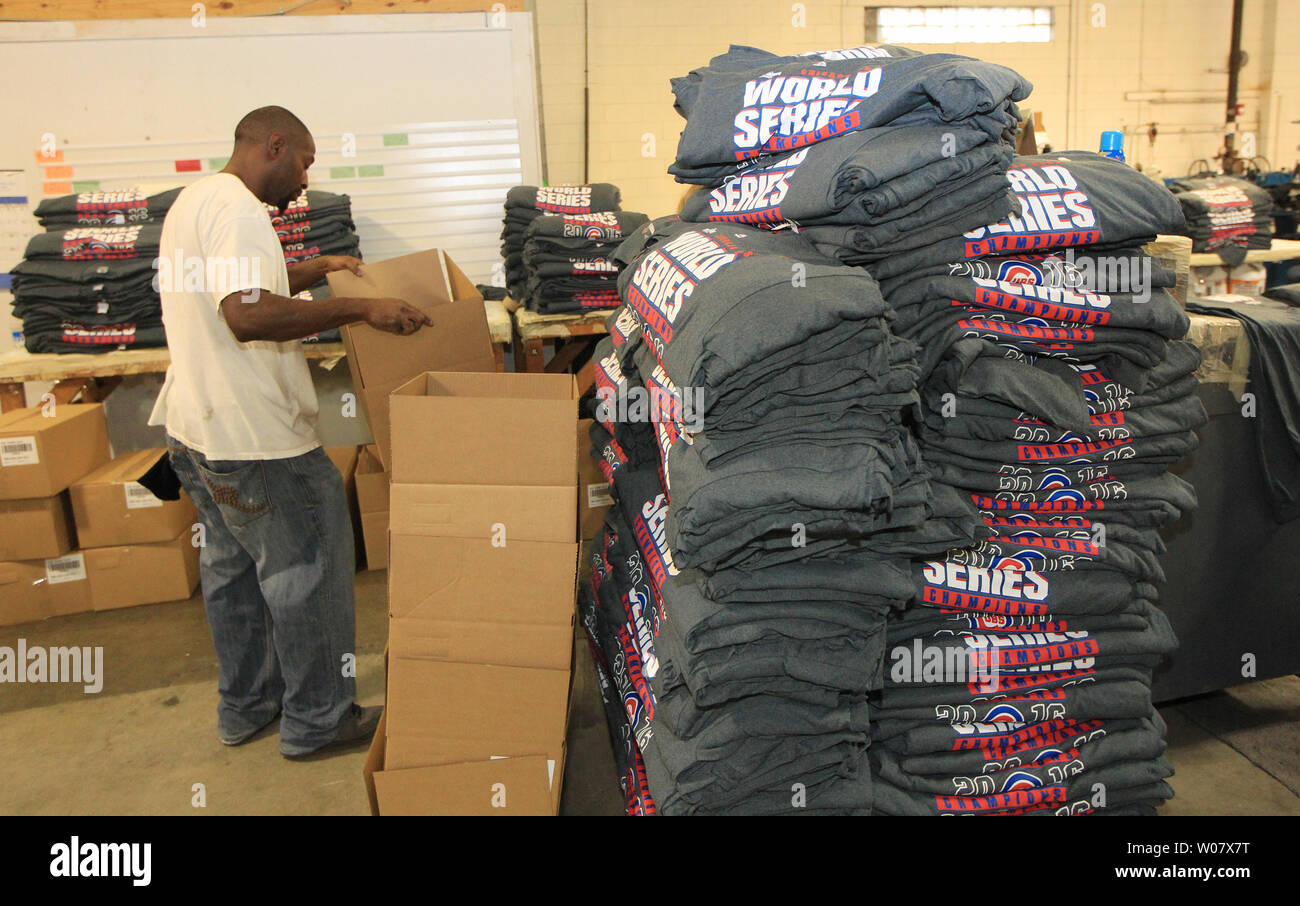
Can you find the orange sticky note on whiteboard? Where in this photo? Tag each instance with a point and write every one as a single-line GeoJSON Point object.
{"type": "Point", "coordinates": [64, 172]}
{"type": "Point", "coordinates": [56, 188]}
{"type": "Point", "coordinates": [55, 158]}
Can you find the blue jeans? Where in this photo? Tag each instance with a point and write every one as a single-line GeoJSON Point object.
{"type": "Point", "coordinates": [277, 565]}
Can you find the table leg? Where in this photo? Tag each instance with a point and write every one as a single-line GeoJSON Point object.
{"type": "Point", "coordinates": [565, 355]}
{"type": "Point", "coordinates": [586, 376]}
{"type": "Point", "coordinates": [12, 396]}
{"type": "Point", "coordinates": [529, 357]}
{"type": "Point", "coordinates": [499, 355]}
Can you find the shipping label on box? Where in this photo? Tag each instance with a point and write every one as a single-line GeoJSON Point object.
{"type": "Point", "coordinates": [28, 594]}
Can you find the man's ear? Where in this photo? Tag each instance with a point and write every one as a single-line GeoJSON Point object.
{"type": "Point", "coordinates": [276, 144]}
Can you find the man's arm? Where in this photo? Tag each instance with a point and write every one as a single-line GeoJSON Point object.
{"type": "Point", "coordinates": [310, 272]}
{"type": "Point", "coordinates": [279, 318]}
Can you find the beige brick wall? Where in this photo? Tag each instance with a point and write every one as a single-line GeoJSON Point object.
{"type": "Point", "coordinates": [1101, 52]}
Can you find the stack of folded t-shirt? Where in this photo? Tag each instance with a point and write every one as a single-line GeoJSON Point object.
{"type": "Point", "coordinates": [751, 426]}
{"type": "Point", "coordinates": [1056, 394]}
{"type": "Point", "coordinates": [1225, 214]}
{"type": "Point", "coordinates": [865, 150]}
{"type": "Point", "coordinates": [89, 289]}
{"type": "Point", "coordinates": [88, 284]}
{"type": "Point", "coordinates": [119, 208]}
{"type": "Point", "coordinates": [568, 259]}
{"type": "Point", "coordinates": [315, 224]}
{"type": "Point", "coordinates": [524, 204]}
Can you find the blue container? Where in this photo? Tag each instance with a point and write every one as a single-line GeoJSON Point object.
{"type": "Point", "coordinates": [1112, 145]}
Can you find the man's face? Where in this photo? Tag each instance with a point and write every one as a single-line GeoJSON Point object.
{"type": "Point", "coordinates": [289, 170]}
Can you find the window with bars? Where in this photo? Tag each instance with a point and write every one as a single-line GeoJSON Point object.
{"type": "Point", "coordinates": [958, 24]}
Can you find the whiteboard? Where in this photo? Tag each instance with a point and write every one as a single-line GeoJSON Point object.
{"type": "Point", "coordinates": [425, 120]}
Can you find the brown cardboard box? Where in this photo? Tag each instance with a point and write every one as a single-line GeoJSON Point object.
{"type": "Point", "coordinates": [36, 528]}
{"type": "Point", "coordinates": [40, 456]}
{"type": "Point", "coordinates": [517, 708]}
{"type": "Point", "coordinates": [371, 481]}
{"type": "Point", "coordinates": [474, 563]}
{"type": "Point", "coordinates": [465, 579]}
{"type": "Point", "coordinates": [531, 785]}
{"type": "Point", "coordinates": [593, 488]}
{"type": "Point", "coordinates": [345, 460]}
{"type": "Point", "coordinates": [372, 501]}
{"type": "Point", "coordinates": [458, 341]}
{"type": "Point", "coordinates": [129, 575]}
{"type": "Point", "coordinates": [36, 589]}
{"type": "Point", "coordinates": [480, 642]}
{"type": "Point", "coordinates": [112, 508]}
{"type": "Point", "coordinates": [510, 429]}
{"type": "Point", "coordinates": [500, 514]}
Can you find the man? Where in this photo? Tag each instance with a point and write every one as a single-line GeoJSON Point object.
{"type": "Point", "coordinates": [240, 411]}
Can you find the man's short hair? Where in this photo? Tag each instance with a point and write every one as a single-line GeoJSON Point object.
{"type": "Point", "coordinates": [264, 121]}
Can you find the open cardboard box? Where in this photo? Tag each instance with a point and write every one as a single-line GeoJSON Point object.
{"type": "Point", "coordinates": [518, 785]}
{"type": "Point", "coordinates": [380, 362]}
{"type": "Point", "coordinates": [482, 520]}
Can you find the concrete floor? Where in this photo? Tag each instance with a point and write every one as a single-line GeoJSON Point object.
{"type": "Point", "coordinates": [140, 746]}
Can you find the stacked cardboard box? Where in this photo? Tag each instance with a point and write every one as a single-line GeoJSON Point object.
{"type": "Point", "coordinates": [43, 450]}
{"type": "Point", "coordinates": [137, 548]}
{"type": "Point", "coordinates": [482, 571]}
{"type": "Point", "coordinates": [345, 460]}
{"type": "Point", "coordinates": [372, 501]}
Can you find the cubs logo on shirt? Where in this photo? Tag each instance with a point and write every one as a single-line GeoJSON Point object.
{"type": "Point", "coordinates": [1020, 780]}
{"type": "Point", "coordinates": [1004, 713]}
{"type": "Point", "coordinates": [1019, 272]}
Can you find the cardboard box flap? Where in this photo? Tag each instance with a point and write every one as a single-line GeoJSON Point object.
{"type": "Point", "coordinates": [35, 418]}
{"type": "Point", "coordinates": [125, 468]}
{"type": "Point", "coordinates": [9, 573]}
{"type": "Point", "coordinates": [459, 334]}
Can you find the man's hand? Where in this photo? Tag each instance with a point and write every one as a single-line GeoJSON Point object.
{"type": "Point", "coordinates": [331, 263]}
{"type": "Point", "coordinates": [313, 270]}
{"type": "Point", "coordinates": [395, 316]}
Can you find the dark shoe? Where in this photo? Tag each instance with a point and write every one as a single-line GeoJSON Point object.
{"type": "Point", "coordinates": [245, 737]}
{"type": "Point", "coordinates": [357, 726]}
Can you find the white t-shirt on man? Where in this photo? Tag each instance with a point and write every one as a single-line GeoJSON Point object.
{"type": "Point", "coordinates": [221, 397]}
